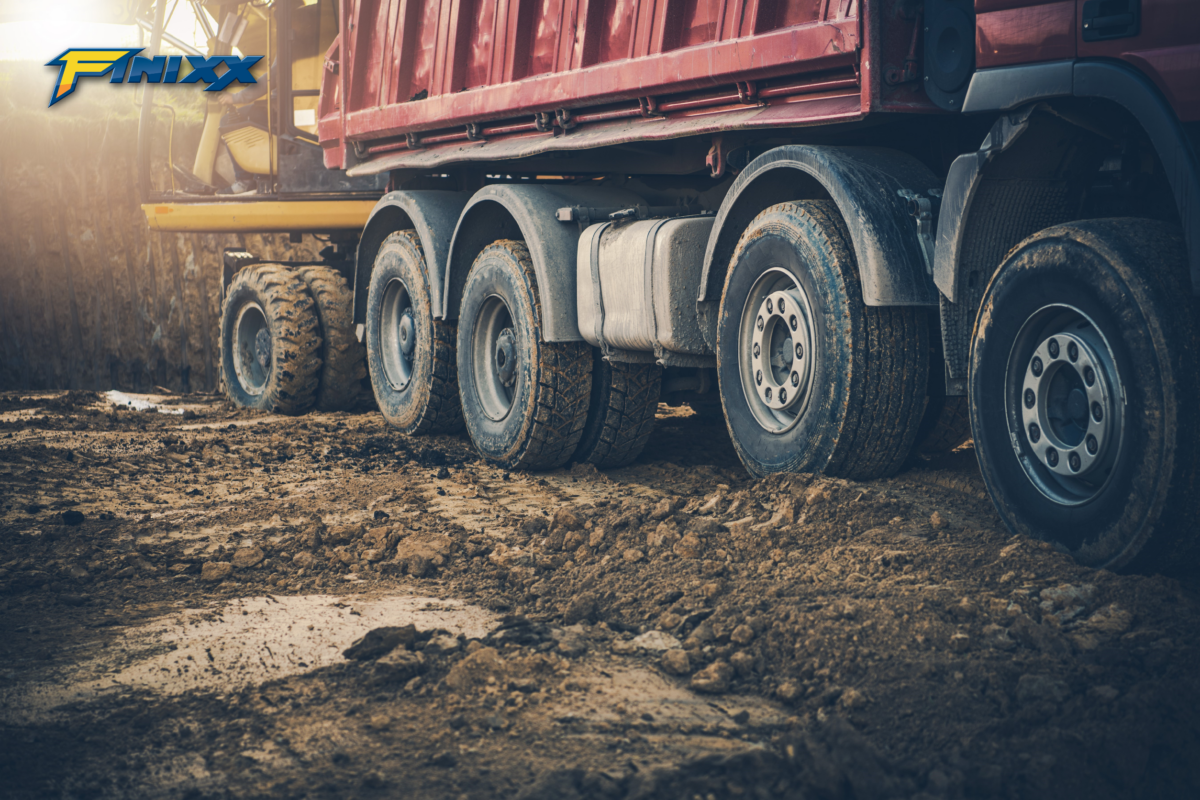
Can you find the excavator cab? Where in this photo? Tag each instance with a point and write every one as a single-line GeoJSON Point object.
{"type": "Point", "coordinates": [258, 144]}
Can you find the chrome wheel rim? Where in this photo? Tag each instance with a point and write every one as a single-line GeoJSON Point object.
{"type": "Point", "coordinates": [775, 350]}
{"type": "Point", "coordinates": [494, 359]}
{"type": "Point", "coordinates": [252, 349]}
{"type": "Point", "coordinates": [398, 335]}
{"type": "Point", "coordinates": [1065, 403]}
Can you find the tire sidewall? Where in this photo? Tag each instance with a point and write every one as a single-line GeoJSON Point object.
{"type": "Point", "coordinates": [784, 239]}
{"type": "Point", "coordinates": [496, 273]}
{"type": "Point", "coordinates": [1110, 528]}
{"type": "Point", "coordinates": [400, 258]}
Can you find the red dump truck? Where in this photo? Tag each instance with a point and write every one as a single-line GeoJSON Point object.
{"type": "Point", "coordinates": [870, 228]}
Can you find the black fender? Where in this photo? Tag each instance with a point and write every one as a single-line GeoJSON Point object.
{"type": "Point", "coordinates": [432, 214]}
{"type": "Point", "coordinates": [527, 213]}
{"type": "Point", "coordinates": [869, 185]}
{"type": "Point", "coordinates": [1008, 88]}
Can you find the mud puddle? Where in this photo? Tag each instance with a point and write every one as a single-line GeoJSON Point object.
{"type": "Point", "coordinates": [245, 642]}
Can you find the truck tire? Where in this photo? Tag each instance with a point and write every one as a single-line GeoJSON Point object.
{"type": "Point", "coordinates": [620, 415]}
{"type": "Point", "coordinates": [410, 354]}
{"type": "Point", "coordinates": [270, 341]}
{"type": "Point", "coordinates": [343, 365]}
{"type": "Point", "coordinates": [811, 379]}
{"type": "Point", "coordinates": [524, 401]}
{"type": "Point", "coordinates": [947, 424]}
{"type": "Point", "coordinates": [1083, 386]}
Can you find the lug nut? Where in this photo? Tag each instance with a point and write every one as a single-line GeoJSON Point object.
{"type": "Point", "coordinates": [782, 395]}
{"type": "Point", "coordinates": [799, 351]}
{"type": "Point", "coordinates": [1073, 460]}
{"type": "Point", "coordinates": [1053, 348]}
{"type": "Point", "coordinates": [781, 305]}
{"type": "Point", "coordinates": [1092, 445]}
{"type": "Point", "coordinates": [791, 321]}
{"type": "Point", "coordinates": [1035, 367]}
{"type": "Point", "coordinates": [757, 350]}
{"type": "Point", "coordinates": [758, 377]}
{"type": "Point", "coordinates": [1097, 412]}
{"type": "Point", "coordinates": [1072, 351]}
{"type": "Point", "coordinates": [795, 379]}
{"type": "Point", "coordinates": [770, 306]}
{"type": "Point", "coordinates": [1052, 456]}
{"type": "Point", "coordinates": [768, 394]}
{"type": "Point", "coordinates": [760, 323]}
{"type": "Point", "coordinates": [1030, 398]}
{"type": "Point", "coordinates": [1089, 376]}
{"type": "Point", "coordinates": [1035, 433]}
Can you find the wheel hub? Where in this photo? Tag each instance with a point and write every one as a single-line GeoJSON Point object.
{"type": "Point", "coordinates": [397, 335]}
{"type": "Point", "coordinates": [780, 350]}
{"type": "Point", "coordinates": [1067, 405]}
{"type": "Point", "coordinates": [262, 348]}
{"type": "Point", "coordinates": [506, 357]}
{"type": "Point", "coordinates": [407, 332]}
{"type": "Point", "coordinates": [251, 349]}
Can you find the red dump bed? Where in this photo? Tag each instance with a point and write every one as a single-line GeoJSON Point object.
{"type": "Point", "coordinates": [431, 67]}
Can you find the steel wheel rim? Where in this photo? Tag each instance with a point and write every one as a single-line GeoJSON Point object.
{"type": "Point", "coordinates": [494, 361]}
{"type": "Point", "coordinates": [1065, 404]}
{"type": "Point", "coordinates": [775, 350]}
{"type": "Point", "coordinates": [398, 335]}
{"type": "Point", "coordinates": [252, 349]}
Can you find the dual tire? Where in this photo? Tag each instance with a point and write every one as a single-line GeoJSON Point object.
{"type": "Point", "coordinates": [526, 403]}
{"type": "Point", "coordinates": [287, 342]}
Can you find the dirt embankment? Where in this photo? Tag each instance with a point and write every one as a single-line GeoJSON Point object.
{"type": "Point", "coordinates": [179, 594]}
{"type": "Point", "coordinates": [90, 298]}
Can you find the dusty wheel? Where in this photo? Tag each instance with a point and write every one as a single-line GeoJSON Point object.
{"type": "Point", "coordinates": [524, 401]}
{"type": "Point", "coordinates": [620, 415]}
{"type": "Point", "coordinates": [411, 354]}
{"type": "Point", "coordinates": [811, 379]}
{"type": "Point", "coordinates": [270, 341]}
{"type": "Point", "coordinates": [1083, 391]}
{"type": "Point", "coordinates": [343, 366]}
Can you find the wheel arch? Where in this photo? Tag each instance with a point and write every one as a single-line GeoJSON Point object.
{"type": "Point", "coordinates": [1014, 169]}
{"type": "Point", "coordinates": [527, 213]}
{"type": "Point", "coordinates": [432, 214]}
{"type": "Point", "coordinates": [864, 183]}
{"type": "Point", "coordinates": [1017, 92]}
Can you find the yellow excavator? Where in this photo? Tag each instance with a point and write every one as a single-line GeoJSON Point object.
{"type": "Point", "coordinates": [288, 340]}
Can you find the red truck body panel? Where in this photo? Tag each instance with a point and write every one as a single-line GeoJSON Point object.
{"type": "Point", "coordinates": [425, 80]}
{"type": "Point", "coordinates": [430, 67]}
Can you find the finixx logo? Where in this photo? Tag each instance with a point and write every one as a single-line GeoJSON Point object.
{"type": "Point", "coordinates": [79, 63]}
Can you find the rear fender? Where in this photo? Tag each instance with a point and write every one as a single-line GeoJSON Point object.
{"type": "Point", "coordinates": [432, 214]}
{"type": "Point", "coordinates": [870, 187]}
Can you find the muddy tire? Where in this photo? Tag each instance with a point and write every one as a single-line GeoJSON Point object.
{"type": "Point", "coordinates": [343, 358]}
{"type": "Point", "coordinates": [410, 354]}
{"type": "Point", "coordinates": [270, 341]}
{"type": "Point", "coordinates": [1083, 389]}
{"type": "Point", "coordinates": [524, 401]}
{"type": "Point", "coordinates": [621, 412]}
{"type": "Point", "coordinates": [811, 379]}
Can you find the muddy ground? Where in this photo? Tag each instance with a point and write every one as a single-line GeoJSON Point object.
{"type": "Point", "coordinates": [180, 593]}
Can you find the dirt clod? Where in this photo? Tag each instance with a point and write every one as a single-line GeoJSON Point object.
{"type": "Point", "coordinates": [214, 571]}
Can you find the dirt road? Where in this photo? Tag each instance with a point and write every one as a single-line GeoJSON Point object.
{"type": "Point", "coordinates": [180, 593]}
